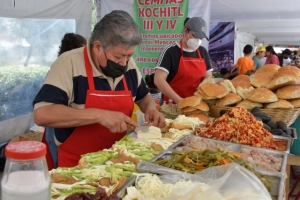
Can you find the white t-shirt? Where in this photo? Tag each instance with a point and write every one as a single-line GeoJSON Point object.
{"type": "Point", "coordinates": [286, 61]}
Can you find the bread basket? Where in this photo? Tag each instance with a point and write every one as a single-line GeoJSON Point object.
{"type": "Point", "coordinates": [170, 111]}
{"type": "Point", "coordinates": [278, 114]}
{"type": "Point", "coordinates": [32, 136]}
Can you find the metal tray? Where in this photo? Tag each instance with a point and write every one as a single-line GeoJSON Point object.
{"type": "Point", "coordinates": [285, 139]}
{"type": "Point", "coordinates": [283, 155]}
{"type": "Point", "coordinates": [121, 193]}
{"type": "Point", "coordinates": [178, 142]}
{"type": "Point", "coordinates": [234, 146]}
{"type": "Point", "coordinates": [294, 136]}
{"type": "Point", "coordinates": [277, 178]}
{"type": "Point", "coordinates": [277, 190]}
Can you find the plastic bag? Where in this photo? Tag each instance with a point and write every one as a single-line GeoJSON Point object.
{"type": "Point", "coordinates": [227, 182]}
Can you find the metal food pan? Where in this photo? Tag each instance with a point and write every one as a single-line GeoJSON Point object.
{"type": "Point", "coordinates": [162, 155]}
{"type": "Point", "coordinates": [287, 144]}
{"type": "Point", "coordinates": [283, 155]}
{"type": "Point", "coordinates": [158, 156]}
{"type": "Point", "coordinates": [178, 142]}
{"type": "Point", "coordinates": [234, 146]}
{"type": "Point", "coordinates": [294, 136]}
{"type": "Point", "coordinates": [121, 193]}
{"type": "Point", "coordinates": [277, 180]}
{"type": "Point", "coordinates": [285, 139]}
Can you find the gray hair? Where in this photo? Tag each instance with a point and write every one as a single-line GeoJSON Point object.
{"type": "Point", "coordinates": [116, 28]}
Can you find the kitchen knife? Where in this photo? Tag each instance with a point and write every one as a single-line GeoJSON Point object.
{"type": "Point", "coordinates": [136, 129]}
{"type": "Point", "coordinates": [142, 128]}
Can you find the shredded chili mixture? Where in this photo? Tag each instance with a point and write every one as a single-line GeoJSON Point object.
{"type": "Point", "coordinates": [238, 125]}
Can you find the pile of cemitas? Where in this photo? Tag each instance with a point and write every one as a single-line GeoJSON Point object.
{"type": "Point", "coordinates": [271, 86]}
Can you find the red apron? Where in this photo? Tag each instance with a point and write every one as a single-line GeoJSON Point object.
{"type": "Point", "coordinates": [95, 137]}
{"type": "Point", "coordinates": [189, 75]}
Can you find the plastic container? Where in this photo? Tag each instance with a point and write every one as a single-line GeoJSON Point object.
{"type": "Point", "coordinates": [134, 116]}
{"type": "Point", "coordinates": [26, 173]}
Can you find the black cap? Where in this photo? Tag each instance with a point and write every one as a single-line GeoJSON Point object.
{"type": "Point", "coordinates": [198, 27]}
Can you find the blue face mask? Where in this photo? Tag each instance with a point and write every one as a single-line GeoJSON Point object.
{"type": "Point", "coordinates": [113, 69]}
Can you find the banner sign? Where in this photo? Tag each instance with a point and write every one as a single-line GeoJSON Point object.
{"type": "Point", "coordinates": [161, 23]}
{"type": "Point", "coordinates": [221, 45]}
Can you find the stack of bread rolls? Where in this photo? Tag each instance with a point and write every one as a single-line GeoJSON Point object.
{"type": "Point", "coordinates": [194, 106]}
{"type": "Point", "coordinates": [271, 86]}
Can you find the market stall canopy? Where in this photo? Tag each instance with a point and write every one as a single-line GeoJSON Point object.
{"type": "Point", "coordinates": [80, 10]}
{"type": "Point", "coordinates": [271, 21]}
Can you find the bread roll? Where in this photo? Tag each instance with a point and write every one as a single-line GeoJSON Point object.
{"type": "Point", "coordinates": [181, 126]}
{"type": "Point", "coordinates": [261, 95]}
{"type": "Point", "coordinates": [211, 101]}
{"type": "Point", "coordinates": [201, 117]}
{"type": "Point", "coordinates": [229, 99]}
{"type": "Point", "coordinates": [260, 80]}
{"type": "Point", "coordinates": [241, 78]}
{"type": "Point", "coordinates": [60, 178]}
{"type": "Point", "coordinates": [242, 84]}
{"type": "Point", "coordinates": [189, 101]}
{"type": "Point", "coordinates": [289, 92]}
{"type": "Point", "coordinates": [186, 110]}
{"type": "Point", "coordinates": [281, 80]}
{"type": "Point", "coordinates": [291, 70]}
{"type": "Point", "coordinates": [227, 85]}
{"type": "Point", "coordinates": [281, 103]}
{"type": "Point", "coordinates": [269, 69]}
{"type": "Point", "coordinates": [243, 91]}
{"type": "Point", "coordinates": [295, 102]}
{"type": "Point", "coordinates": [207, 80]}
{"type": "Point", "coordinates": [202, 106]}
{"type": "Point", "coordinates": [202, 95]}
{"type": "Point", "coordinates": [82, 163]}
{"type": "Point", "coordinates": [214, 90]}
{"type": "Point", "coordinates": [249, 104]}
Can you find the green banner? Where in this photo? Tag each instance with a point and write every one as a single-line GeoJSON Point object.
{"type": "Point", "coordinates": [161, 23]}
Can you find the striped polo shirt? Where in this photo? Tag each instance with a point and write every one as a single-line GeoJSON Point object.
{"type": "Point", "coordinates": [66, 83]}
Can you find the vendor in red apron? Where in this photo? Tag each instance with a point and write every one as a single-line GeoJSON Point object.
{"type": "Point", "coordinates": [89, 93]}
{"type": "Point", "coordinates": [184, 64]}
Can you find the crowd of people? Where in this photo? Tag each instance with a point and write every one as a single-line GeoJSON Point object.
{"type": "Point", "coordinates": [262, 56]}
{"type": "Point", "coordinates": [221, 60]}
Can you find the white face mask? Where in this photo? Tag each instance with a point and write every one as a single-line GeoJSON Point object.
{"type": "Point", "coordinates": [194, 43]}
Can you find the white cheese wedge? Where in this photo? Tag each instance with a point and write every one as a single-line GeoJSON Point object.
{"type": "Point", "coordinates": [127, 198]}
{"type": "Point", "coordinates": [153, 132]}
{"type": "Point", "coordinates": [132, 193]}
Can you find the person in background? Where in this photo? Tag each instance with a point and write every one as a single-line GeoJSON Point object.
{"type": "Point", "coordinates": [229, 74]}
{"type": "Point", "coordinates": [244, 64]}
{"type": "Point", "coordinates": [69, 42]}
{"type": "Point", "coordinates": [154, 91]}
{"type": "Point", "coordinates": [89, 93]}
{"type": "Point", "coordinates": [271, 56]}
{"type": "Point", "coordinates": [260, 53]}
{"type": "Point", "coordinates": [297, 59]}
{"type": "Point", "coordinates": [295, 53]}
{"type": "Point", "coordinates": [284, 59]}
{"type": "Point", "coordinates": [183, 64]}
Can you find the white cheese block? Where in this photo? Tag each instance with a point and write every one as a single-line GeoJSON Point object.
{"type": "Point", "coordinates": [132, 193]}
{"type": "Point", "coordinates": [153, 132]}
